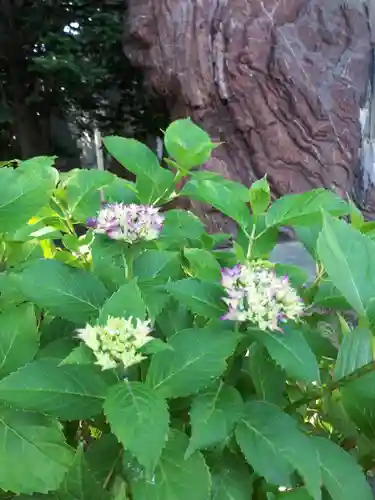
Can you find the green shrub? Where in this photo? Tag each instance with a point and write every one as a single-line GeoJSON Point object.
{"type": "Point", "coordinates": [139, 362]}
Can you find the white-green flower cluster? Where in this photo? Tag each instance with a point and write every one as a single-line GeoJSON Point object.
{"type": "Point", "coordinates": [128, 223]}
{"type": "Point", "coordinates": [257, 295]}
{"type": "Point", "coordinates": [117, 342]}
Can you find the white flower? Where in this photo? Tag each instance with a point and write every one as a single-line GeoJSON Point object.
{"type": "Point", "coordinates": [257, 295]}
{"type": "Point", "coordinates": [118, 342]}
{"type": "Point", "coordinates": [128, 223]}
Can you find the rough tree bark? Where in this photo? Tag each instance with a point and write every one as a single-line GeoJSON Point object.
{"type": "Point", "coordinates": [280, 81]}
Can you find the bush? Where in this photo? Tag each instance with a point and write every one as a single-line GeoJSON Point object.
{"type": "Point", "coordinates": [139, 362]}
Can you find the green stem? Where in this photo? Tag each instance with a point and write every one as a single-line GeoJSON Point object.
{"type": "Point", "coordinates": [329, 388]}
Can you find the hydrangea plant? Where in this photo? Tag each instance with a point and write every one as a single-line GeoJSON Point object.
{"type": "Point", "coordinates": [139, 361]}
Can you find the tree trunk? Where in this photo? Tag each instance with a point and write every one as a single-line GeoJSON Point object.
{"type": "Point", "coordinates": [281, 82]}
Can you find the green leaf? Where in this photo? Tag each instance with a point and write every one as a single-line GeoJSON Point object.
{"type": "Point", "coordinates": [126, 302]}
{"type": "Point", "coordinates": [296, 275]}
{"type": "Point", "coordinates": [80, 355]}
{"type": "Point", "coordinates": [152, 180]}
{"type": "Point", "coordinates": [260, 195]}
{"type": "Point", "coordinates": [299, 494]}
{"type": "Point", "coordinates": [72, 294]}
{"type": "Point", "coordinates": [342, 476]}
{"type": "Point", "coordinates": [202, 264]}
{"type": "Point", "coordinates": [355, 352]}
{"type": "Point", "coordinates": [35, 456]}
{"type": "Point", "coordinates": [180, 226]}
{"type": "Point", "coordinates": [328, 296]}
{"type": "Point", "coordinates": [82, 192]}
{"type": "Point", "coordinates": [139, 418]}
{"type": "Point", "coordinates": [188, 144]}
{"type": "Point", "coordinates": [79, 482]}
{"type": "Point", "coordinates": [109, 261]}
{"type": "Point", "coordinates": [70, 392]}
{"type": "Point", "coordinates": [198, 357]}
{"type": "Point", "coordinates": [19, 338]}
{"type": "Point", "coordinates": [349, 259]}
{"type": "Point", "coordinates": [358, 399]}
{"type": "Point", "coordinates": [156, 264]}
{"type": "Point", "coordinates": [231, 479]}
{"type": "Point", "coordinates": [23, 192]}
{"type": "Point", "coordinates": [269, 380]}
{"type": "Point", "coordinates": [227, 196]}
{"type": "Point", "coordinates": [291, 351]}
{"type": "Point", "coordinates": [103, 457]}
{"type": "Point", "coordinates": [213, 415]}
{"type": "Point", "coordinates": [120, 191]}
{"type": "Point", "coordinates": [304, 209]}
{"type": "Point", "coordinates": [274, 446]}
{"type": "Point", "coordinates": [175, 477]}
{"type": "Point", "coordinates": [203, 298]}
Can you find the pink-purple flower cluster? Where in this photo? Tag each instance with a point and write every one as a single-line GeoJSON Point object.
{"type": "Point", "coordinates": [128, 223]}
{"type": "Point", "coordinates": [257, 295]}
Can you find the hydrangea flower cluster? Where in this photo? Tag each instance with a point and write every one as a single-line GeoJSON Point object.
{"type": "Point", "coordinates": [257, 295]}
{"type": "Point", "coordinates": [118, 342]}
{"type": "Point", "coordinates": [128, 223]}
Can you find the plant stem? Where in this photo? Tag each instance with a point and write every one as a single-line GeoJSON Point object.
{"type": "Point", "coordinates": [329, 388]}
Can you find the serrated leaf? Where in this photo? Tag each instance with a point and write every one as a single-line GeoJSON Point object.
{"type": "Point", "coordinates": [70, 392]}
{"type": "Point", "coordinates": [260, 195]}
{"type": "Point", "coordinates": [358, 399]}
{"type": "Point", "coordinates": [274, 446]}
{"type": "Point", "coordinates": [227, 196]}
{"type": "Point", "coordinates": [231, 479]}
{"type": "Point", "coordinates": [23, 192]}
{"type": "Point", "coordinates": [198, 357]}
{"type": "Point", "coordinates": [202, 264]}
{"type": "Point", "coordinates": [79, 482]}
{"type": "Point", "coordinates": [355, 352]}
{"type": "Point", "coordinates": [80, 355]}
{"type": "Point", "coordinates": [19, 338]}
{"type": "Point", "coordinates": [349, 259]}
{"type": "Point", "coordinates": [126, 302]}
{"type": "Point", "coordinates": [156, 264]}
{"type": "Point", "coordinates": [109, 261]}
{"type": "Point", "coordinates": [175, 477]}
{"type": "Point", "coordinates": [291, 351]}
{"type": "Point", "coordinates": [120, 191]}
{"type": "Point", "coordinates": [72, 294]}
{"type": "Point", "coordinates": [82, 192]}
{"type": "Point", "coordinates": [180, 226]}
{"type": "Point", "coordinates": [305, 208]}
{"type": "Point", "coordinates": [328, 296]}
{"type": "Point", "coordinates": [201, 297]}
{"type": "Point", "coordinates": [342, 476]}
{"type": "Point", "coordinates": [35, 450]}
{"type": "Point", "coordinates": [213, 415]}
{"type": "Point", "coordinates": [103, 457]}
{"type": "Point", "coordinates": [269, 380]}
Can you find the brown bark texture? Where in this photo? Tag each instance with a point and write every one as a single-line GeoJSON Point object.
{"type": "Point", "coordinates": [281, 82]}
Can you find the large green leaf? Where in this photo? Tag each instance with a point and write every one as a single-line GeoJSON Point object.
{"type": "Point", "coordinates": [260, 195]}
{"type": "Point", "coordinates": [231, 479]}
{"type": "Point", "coordinates": [104, 456]}
{"type": "Point", "coordinates": [291, 351]}
{"type": "Point", "coordinates": [69, 391]}
{"type": "Point", "coordinates": [79, 483]}
{"type": "Point", "coordinates": [305, 208]}
{"type": "Point", "coordinates": [23, 192]}
{"type": "Point", "coordinates": [213, 415]}
{"type": "Point", "coordinates": [358, 398]}
{"type": "Point", "coordinates": [152, 181]}
{"type": "Point", "coordinates": [180, 226]}
{"type": "Point", "coordinates": [126, 302]}
{"type": "Point", "coordinates": [274, 446]}
{"type": "Point", "coordinates": [349, 259]}
{"type": "Point", "coordinates": [198, 356]}
{"type": "Point", "coordinates": [355, 352]}
{"type": "Point", "coordinates": [201, 297]}
{"type": "Point", "coordinates": [269, 380]}
{"type": "Point", "coordinates": [109, 261]}
{"type": "Point", "coordinates": [73, 294]}
{"type": "Point", "coordinates": [19, 337]}
{"type": "Point", "coordinates": [175, 477]}
{"type": "Point", "coordinates": [342, 476]}
{"type": "Point", "coordinates": [202, 264]}
{"type": "Point", "coordinates": [120, 191]}
{"type": "Point", "coordinates": [188, 144]}
{"type": "Point", "coordinates": [227, 196]}
{"type": "Point", "coordinates": [82, 192]}
{"type": "Point", "coordinates": [156, 264]}
{"type": "Point", "coordinates": [139, 418]}
{"type": "Point", "coordinates": [35, 456]}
